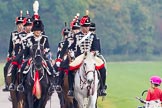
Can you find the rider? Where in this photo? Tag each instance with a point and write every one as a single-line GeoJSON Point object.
{"type": "Point", "coordinates": [15, 46]}
{"type": "Point", "coordinates": [37, 35]}
{"type": "Point", "coordinates": [61, 67]}
{"type": "Point", "coordinates": [154, 92]}
{"type": "Point", "coordinates": [68, 46]}
{"type": "Point", "coordinates": [103, 87]}
{"type": "Point", "coordinates": [83, 45]}
{"type": "Point", "coordinates": [27, 32]}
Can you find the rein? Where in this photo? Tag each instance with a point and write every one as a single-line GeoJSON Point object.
{"type": "Point", "coordinates": [83, 81]}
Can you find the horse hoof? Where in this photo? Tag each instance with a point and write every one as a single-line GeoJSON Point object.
{"type": "Point", "coordinates": [9, 98]}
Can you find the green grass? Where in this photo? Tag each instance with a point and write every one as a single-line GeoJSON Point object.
{"type": "Point", "coordinates": [125, 80]}
{"type": "Point", "coordinates": [1, 74]}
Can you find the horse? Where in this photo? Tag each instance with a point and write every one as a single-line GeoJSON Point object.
{"type": "Point", "coordinates": [37, 79]}
{"type": "Point", "coordinates": [86, 80]}
{"type": "Point", "coordinates": [16, 97]}
{"type": "Point", "coordinates": [62, 79]}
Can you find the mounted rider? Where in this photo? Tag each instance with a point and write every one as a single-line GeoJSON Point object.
{"type": "Point", "coordinates": [68, 47]}
{"type": "Point", "coordinates": [26, 33]}
{"type": "Point", "coordinates": [102, 71]}
{"type": "Point", "coordinates": [85, 41]}
{"type": "Point", "coordinates": [63, 66]}
{"type": "Point", "coordinates": [15, 47]}
{"type": "Point", "coordinates": [37, 29]}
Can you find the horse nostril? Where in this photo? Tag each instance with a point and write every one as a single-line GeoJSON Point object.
{"type": "Point", "coordinates": [90, 81]}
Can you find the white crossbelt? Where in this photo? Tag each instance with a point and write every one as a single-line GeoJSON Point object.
{"type": "Point", "coordinates": [85, 37]}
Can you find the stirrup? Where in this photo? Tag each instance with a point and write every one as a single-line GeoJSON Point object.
{"type": "Point", "coordinates": [102, 92]}
{"type": "Point", "coordinates": [51, 89]}
{"type": "Point", "coordinates": [58, 88]}
{"type": "Point", "coordinates": [20, 88]}
{"type": "Point", "coordinates": [12, 87]}
{"type": "Point", "coordinates": [70, 93]}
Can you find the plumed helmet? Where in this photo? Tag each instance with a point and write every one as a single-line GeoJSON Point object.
{"type": "Point", "coordinates": [37, 25]}
{"type": "Point", "coordinates": [92, 27]}
{"type": "Point", "coordinates": [20, 19]}
{"type": "Point", "coordinates": [85, 21]}
{"type": "Point", "coordinates": [28, 20]}
{"type": "Point", "coordinates": [155, 80]}
{"type": "Point", "coordinates": [65, 30]}
{"type": "Point", "coordinates": [75, 24]}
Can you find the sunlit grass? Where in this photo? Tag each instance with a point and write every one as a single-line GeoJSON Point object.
{"type": "Point", "coordinates": [126, 80]}
{"type": "Point", "coordinates": [1, 74]}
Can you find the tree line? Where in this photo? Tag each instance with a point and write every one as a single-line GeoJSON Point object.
{"type": "Point", "coordinates": [125, 27]}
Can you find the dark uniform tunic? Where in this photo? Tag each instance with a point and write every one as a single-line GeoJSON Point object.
{"type": "Point", "coordinates": [15, 44]}
{"type": "Point", "coordinates": [34, 40]}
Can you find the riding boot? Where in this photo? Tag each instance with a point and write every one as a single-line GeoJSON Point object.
{"type": "Point", "coordinates": [71, 81]}
{"type": "Point", "coordinates": [52, 86]}
{"type": "Point", "coordinates": [103, 86]}
{"type": "Point", "coordinates": [60, 81]}
{"type": "Point", "coordinates": [5, 76]}
{"type": "Point", "coordinates": [13, 77]}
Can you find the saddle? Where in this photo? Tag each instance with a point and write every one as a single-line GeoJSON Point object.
{"type": "Point", "coordinates": [27, 68]}
{"type": "Point", "coordinates": [74, 65]}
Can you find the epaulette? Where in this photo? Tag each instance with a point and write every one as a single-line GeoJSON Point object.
{"type": "Point", "coordinates": [14, 31]}
{"type": "Point", "coordinates": [23, 32]}
{"type": "Point", "coordinates": [44, 36]}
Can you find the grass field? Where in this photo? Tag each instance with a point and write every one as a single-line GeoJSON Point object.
{"type": "Point", "coordinates": [125, 80]}
{"type": "Point", "coordinates": [1, 74]}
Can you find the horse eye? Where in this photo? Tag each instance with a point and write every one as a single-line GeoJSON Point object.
{"type": "Point", "coordinates": [84, 64]}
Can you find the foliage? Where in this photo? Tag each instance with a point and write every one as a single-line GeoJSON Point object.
{"type": "Point", "coordinates": [125, 27]}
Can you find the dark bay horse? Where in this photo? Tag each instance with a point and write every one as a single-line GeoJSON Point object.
{"type": "Point", "coordinates": [37, 79]}
{"type": "Point", "coordinates": [17, 98]}
{"type": "Point", "coordinates": [65, 101]}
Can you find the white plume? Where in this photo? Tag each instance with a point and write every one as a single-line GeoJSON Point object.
{"type": "Point", "coordinates": [36, 6]}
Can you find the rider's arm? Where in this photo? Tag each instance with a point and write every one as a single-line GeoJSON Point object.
{"type": "Point", "coordinates": [10, 50]}
{"type": "Point", "coordinates": [148, 97]}
{"type": "Point", "coordinates": [58, 50]}
{"type": "Point", "coordinates": [64, 49]}
{"type": "Point", "coordinates": [94, 46]}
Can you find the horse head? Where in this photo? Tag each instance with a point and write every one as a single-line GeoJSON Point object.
{"type": "Point", "coordinates": [89, 67]}
{"type": "Point", "coordinates": [37, 55]}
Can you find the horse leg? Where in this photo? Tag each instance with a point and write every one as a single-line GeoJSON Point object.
{"type": "Point", "coordinates": [92, 101]}
{"type": "Point", "coordinates": [42, 102]}
{"type": "Point", "coordinates": [14, 99]}
{"type": "Point", "coordinates": [75, 103]}
{"type": "Point", "coordinates": [61, 98]}
{"type": "Point", "coordinates": [80, 100]}
{"type": "Point", "coordinates": [30, 99]}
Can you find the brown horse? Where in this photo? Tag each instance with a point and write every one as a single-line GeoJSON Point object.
{"type": "Point", "coordinates": [65, 101]}
{"type": "Point", "coordinates": [17, 98]}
